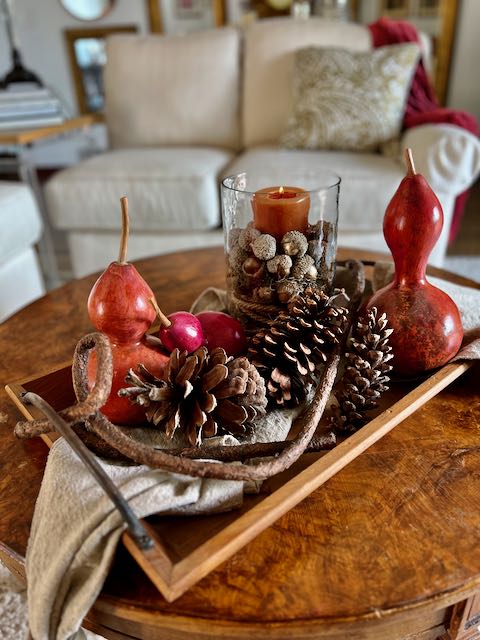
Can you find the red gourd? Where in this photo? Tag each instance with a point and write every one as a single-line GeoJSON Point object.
{"type": "Point", "coordinates": [427, 329]}
{"type": "Point", "coordinates": [120, 306]}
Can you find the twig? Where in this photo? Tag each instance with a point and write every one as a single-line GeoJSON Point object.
{"type": "Point", "coordinates": [89, 401]}
{"type": "Point", "coordinates": [98, 395]}
{"type": "Point", "coordinates": [122, 254]}
{"type": "Point", "coordinates": [408, 156]}
{"type": "Point", "coordinates": [164, 321]}
{"type": "Point", "coordinates": [243, 452]}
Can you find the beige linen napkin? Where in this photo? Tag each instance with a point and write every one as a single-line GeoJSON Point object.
{"type": "Point", "coordinates": [75, 527]}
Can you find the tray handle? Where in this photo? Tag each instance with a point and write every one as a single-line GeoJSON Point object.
{"type": "Point", "coordinates": [136, 529]}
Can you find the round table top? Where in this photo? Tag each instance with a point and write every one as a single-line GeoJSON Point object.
{"type": "Point", "coordinates": [395, 531]}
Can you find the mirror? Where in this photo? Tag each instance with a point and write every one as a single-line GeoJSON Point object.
{"type": "Point", "coordinates": [87, 10]}
{"type": "Point", "coordinates": [86, 49]}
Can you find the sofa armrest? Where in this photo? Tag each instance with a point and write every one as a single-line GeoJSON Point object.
{"type": "Point", "coordinates": [448, 156]}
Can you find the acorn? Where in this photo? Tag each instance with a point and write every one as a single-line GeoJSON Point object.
{"type": "Point", "coordinates": [264, 247]}
{"type": "Point", "coordinates": [247, 236]}
{"type": "Point", "coordinates": [233, 236]}
{"type": "Point", "coordinates": [266, 295]}
{"type": "Point", "coordinates": [287, 289]}
{"type": "Point", "coordinates": [252, 267]}
{"type": "Point", "coordinates": [294, 243]}
{"type": "Point", "coordinates": [237, 257]}
{"type": "Point", "coordinates": [304, 268]}
{"type": "Point", "coordinates": [280, 265]}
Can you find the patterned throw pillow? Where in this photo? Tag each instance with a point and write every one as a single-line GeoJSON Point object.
{"type": "Point", "coordinates": [349, 100]}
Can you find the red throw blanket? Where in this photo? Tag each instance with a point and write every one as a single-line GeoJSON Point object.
{"type": "Point", "coordinates": [422, 105]}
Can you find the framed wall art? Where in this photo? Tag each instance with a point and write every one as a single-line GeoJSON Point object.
{"type": "Point", "coordinates": [182, 16]}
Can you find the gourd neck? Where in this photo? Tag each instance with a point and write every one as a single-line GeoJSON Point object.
{"type": "Point", "coordinates": [410, 272]}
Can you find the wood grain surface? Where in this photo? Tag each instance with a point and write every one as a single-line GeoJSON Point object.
{"type": "Point", "coordinates": [381, 551]}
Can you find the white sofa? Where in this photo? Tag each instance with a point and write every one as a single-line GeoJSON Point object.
{"type": "Point", "coordinates": [182, 111]}
{"type": "Point", "coordinates": [20, 277]}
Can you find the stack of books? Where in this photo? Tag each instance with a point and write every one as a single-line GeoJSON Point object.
{"type": "Point", "coordinates": [27, 106]}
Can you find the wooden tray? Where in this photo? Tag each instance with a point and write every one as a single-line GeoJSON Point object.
{"type": "Point", "coordinates": [183, 554]}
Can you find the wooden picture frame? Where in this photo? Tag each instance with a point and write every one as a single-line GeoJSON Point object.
{"type": "Point", "coordinates": [395, 8]}
{"type": "Point", "coordinates": [266, 9]}
{"type": "Point", "coordinates": [87, 79]}
{"type": "Point", "coordinates": [160, 23]}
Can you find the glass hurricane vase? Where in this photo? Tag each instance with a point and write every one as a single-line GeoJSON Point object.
{"type": "Point", "coordinates": [280, 235]}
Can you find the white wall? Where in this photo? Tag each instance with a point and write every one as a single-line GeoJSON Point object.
{"type": "Point", "coordinates": [39, 25]}
{"type": "Point", "coordinates": [464, 87]}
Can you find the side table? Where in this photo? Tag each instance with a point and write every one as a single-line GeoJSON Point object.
{"type": "Point", "coordinates": [15, 143]}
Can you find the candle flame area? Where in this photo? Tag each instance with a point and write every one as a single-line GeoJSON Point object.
{"type": "Point", "coordinates": [280, 190]}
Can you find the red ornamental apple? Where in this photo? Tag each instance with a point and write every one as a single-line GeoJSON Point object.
{"type": "Point", "coordinates": [221, 330]}
{"type": "Point", "coordinates": [180, 330]}
{"type": "Point", "coordinates": [184, 332]}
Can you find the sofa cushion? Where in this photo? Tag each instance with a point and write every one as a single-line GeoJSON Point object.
{"type": "Point", "coordinates": [368, 180]}
{"type": "Point", "coordinates": [20, 282]}
{"type": "Point", "coordinates": [179, 89]}
{"type": "Point", "coordinates": [20, 220]}
{"type": "Point", "coordinates": [268, 68]}
{"type": "Point", "coordinates": [168, 190]}
{"type": "Point", "coordinates": [349, 100]}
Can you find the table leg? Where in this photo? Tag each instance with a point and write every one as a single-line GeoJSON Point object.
{"type": "Point", "coordinates": [46, 249]}
{"type": "Point", "coordinates": [465, 621]}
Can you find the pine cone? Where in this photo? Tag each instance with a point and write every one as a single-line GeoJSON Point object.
{"type": "Point", "coordinates": [365, 377]}
{"type": "Point", "coordinates": [290, 351]}
{"type": "Point", "coordinates": [202, 395]}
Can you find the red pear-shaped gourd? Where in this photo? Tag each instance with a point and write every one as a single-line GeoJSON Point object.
{"type": "Point", "coordinates": [427, 329]}
{"type": "Point", "coordinates": [120, 306]}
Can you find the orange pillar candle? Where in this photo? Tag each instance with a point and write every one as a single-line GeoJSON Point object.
{"type": "Point", "coordinates": [277, 210]}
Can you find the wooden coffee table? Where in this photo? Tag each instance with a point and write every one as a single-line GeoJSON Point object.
{"type": "Point", "coordinates": [382, 551]}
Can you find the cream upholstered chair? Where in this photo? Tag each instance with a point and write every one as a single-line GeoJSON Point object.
{"type": "Point", "coordinates": [20, 278]}
{"type": "Point", "coordinates": [183, 111]}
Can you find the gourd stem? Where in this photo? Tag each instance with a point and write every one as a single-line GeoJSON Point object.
{"type": "Point", "coordinates": [409, 162]}
{"type": "Point", "coordinates": [122, 254]}
{"type": "Point", "coordinates": [164, 321]}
